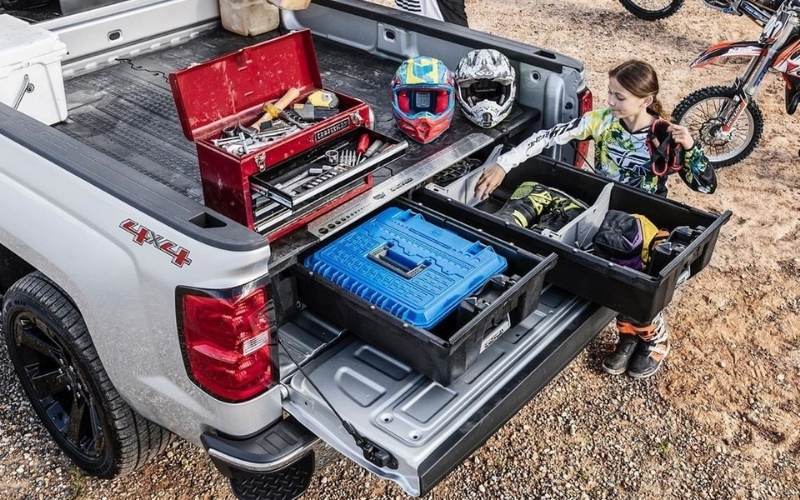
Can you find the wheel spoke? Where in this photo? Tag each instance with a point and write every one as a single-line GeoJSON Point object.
{"type": "Point", "coordinates": [75, 418]}
{"type": "Point", "coordinates": [49, 383]}
{"type": "Point", "coordinates": [27, 335]}
{"type": "Point", "coordinates": [96, 428]}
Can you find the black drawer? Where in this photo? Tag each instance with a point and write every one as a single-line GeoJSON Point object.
{"type": "Point", "coordinates": [633, 293]}
{"type": "Point", "coordinates": [447, 349]}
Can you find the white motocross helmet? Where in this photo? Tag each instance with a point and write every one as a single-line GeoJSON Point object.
{"type": "Point", "coordinates": [486, 87]}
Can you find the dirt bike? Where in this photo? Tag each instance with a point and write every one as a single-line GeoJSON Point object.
{"type": "Point", "coordinates": [652, 10]}
{"type": "Point", "coordinates": [726, 121]}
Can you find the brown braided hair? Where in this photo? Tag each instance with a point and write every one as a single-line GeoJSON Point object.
{"type": "Point", "coordinates": [640, 79]}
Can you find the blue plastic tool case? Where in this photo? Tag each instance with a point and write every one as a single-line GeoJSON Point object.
{"type": "Point", "coordinates": [423, 287]}
{"type": "Point", "coordinates": [407, 266]}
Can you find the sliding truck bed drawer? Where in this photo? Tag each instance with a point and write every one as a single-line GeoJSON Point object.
{"type": "Point", "coordinates": [580, 270]}
{"type": "Point", "coordinates": [444, 350]}
{"type": "Point", "coordinates": [426, 429]}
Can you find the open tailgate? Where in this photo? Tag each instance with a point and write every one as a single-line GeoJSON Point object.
{"type": "Point", "coordinates": [420, 429]}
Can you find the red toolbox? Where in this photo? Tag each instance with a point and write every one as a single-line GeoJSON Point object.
{"type": "Point", "coordinates": [232, 90]}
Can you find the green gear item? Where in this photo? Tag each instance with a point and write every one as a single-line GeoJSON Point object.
{"type": "Point", "coordinates": [535, 205]}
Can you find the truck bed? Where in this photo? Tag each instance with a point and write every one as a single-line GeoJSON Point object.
{"type": "Point", "coordinates": [127, 110]}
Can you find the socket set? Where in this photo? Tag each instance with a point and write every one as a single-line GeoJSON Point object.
{"type": "Point", "coordinates": [314, 175]}
{"type": "Point", "coordinates": [272, 219]}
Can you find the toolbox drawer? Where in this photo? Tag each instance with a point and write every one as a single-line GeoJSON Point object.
{"type": "Point", "coordinates": [445, 350]}
{"type": "Point", "coordinates": [579, 271]}
{"type": "Point", "coordinates": [298, 190]}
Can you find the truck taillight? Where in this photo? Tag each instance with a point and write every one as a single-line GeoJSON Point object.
{"type": "Point", "coordinates": [226, 342]}
{"type": "Point", "coordinates": [582, 148]}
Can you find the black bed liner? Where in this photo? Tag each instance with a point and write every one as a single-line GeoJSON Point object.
{"type": "Point", "coordinates": [127, 111]}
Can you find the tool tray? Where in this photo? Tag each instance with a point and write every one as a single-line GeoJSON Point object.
{"type": "Point", "coordinates": [231, 90]}
{"type": "Point", "coordinates": [445, 350]}
{"type": "Point", "coordinates": [579, 271]}
{"type": "Point", "coordinates": [282, 198]}
{"type": "Point", "coordinates": [279, 185]}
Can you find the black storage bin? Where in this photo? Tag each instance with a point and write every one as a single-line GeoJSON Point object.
{"type": "Point", "coordinates": [633, 293]}
{"type": "Point", "coordinates": [444, 352]}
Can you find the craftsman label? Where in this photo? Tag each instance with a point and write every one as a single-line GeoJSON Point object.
{"type": "Point", "coordinates": [142, 235]}
{"type": "Point", "coordinates": [333, 129]}
{"type": "Point", "coordinates": [493, 335]}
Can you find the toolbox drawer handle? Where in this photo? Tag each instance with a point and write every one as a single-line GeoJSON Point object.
{"type": "Point", "coordinates": [397, 262]}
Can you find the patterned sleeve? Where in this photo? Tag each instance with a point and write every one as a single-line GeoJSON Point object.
{"type": "Point", "coordinates": [697, 172]}
{"type": "Point", "coordinates": [579, 128]}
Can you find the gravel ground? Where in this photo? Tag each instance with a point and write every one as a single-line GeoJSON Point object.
{"type": "Point", "coordinates": [720, 421]}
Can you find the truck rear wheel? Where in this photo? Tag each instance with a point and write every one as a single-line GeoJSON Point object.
{"type": "Point", "coordinates": [56, 362]}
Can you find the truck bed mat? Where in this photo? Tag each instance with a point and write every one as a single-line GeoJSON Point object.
{"type": "Point", "coordinates": [127, 110]}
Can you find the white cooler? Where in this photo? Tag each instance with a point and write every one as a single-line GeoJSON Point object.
{"type": "Point", "coordinates": [30, 70]}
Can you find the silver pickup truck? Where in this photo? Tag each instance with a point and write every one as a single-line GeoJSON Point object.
{"type": "Point", "coordinates": [111, 267]}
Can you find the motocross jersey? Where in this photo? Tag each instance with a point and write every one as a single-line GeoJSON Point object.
{"type": "Point", "coordinates": [620, 155]}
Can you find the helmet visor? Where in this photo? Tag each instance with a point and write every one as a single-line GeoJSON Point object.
{"type": "Point", "coordinates": [418, 102]}
{"type": "Point", "coordinates": [485, 90]}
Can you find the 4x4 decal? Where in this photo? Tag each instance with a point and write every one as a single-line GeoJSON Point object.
{"type": "Point", "coordinates": [142, 235]}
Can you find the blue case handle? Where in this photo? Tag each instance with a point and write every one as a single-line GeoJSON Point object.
{"type": "Point", "coordinates": [397, 262]}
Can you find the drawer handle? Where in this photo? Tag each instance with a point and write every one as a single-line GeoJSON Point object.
{"type": "Point", "coordinates": [397, 262]}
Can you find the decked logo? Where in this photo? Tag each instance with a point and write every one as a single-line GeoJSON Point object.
{"type": "Point", "coordinates": [142, 235]}
{"type": "Point", "coordinates": [333, 129]}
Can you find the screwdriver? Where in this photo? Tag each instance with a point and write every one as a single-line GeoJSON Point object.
{"type": "Point", "coordinates": [361, 147]}
{"type": "Point", "coordinates": [373, 148]}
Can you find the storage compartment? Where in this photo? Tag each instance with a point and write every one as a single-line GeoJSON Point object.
{"type": "Point", "coordinates": [579, 270]}
{"type": "Point", "coordinates": [455, 340]}
{"type": "Point", "coordinates": [301, 189]}
{"type": "Point", "coordinates": [30, 70]}
{"type": "Point", "coordinates": [459, 180]}
{"type": "Point", "coordinates": [219, 101]}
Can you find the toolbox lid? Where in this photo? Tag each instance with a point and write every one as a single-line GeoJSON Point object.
{"type": "Point", "coordinates": [214, 94]}
{"type": "Point", "coordinates": [22, 44]}
{"type": "Point", "coordinates": [407, 266]}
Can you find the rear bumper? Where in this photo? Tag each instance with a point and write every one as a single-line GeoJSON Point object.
{"type": "Point", "coordinates": [270, 450]}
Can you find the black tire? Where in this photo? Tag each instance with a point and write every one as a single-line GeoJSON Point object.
{"type": "Point", "coordinates": [56, 362]}
{"type": "Point", "coordinates": [286, 484]}
{"type": "Point", "coordinates": [752, 113]}
{"type": "Point", "coordinates": [643, 12]}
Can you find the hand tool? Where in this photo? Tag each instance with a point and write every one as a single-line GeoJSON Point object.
{"type": "Point", "coordinates": [332, 156]}
{"type": "Point", "coordinates": [225, 141]}
{"type": "Point", "coordinates": [309, 112]}
{"type": "Point", "coordinates": [319, 170]}
{"type": "Point", "coordinates": [361, 146]}
{"type": "Point", "coordinates": [272, 111]}
{"type": "Point", "coordinates": [323, 99]}
{"type": "Point", "coordinates": [274, 133]}
{"type": "Point", "coordinates": [373, 148]}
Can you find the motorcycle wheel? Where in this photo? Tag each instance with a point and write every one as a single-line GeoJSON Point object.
{"type": "Point", "coordinates": [652, 10]}
{"type": "Point", "coordinates": [699, 112]}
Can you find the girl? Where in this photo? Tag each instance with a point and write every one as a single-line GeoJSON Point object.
{"type": "Point", "coordinates": [621, 133]}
